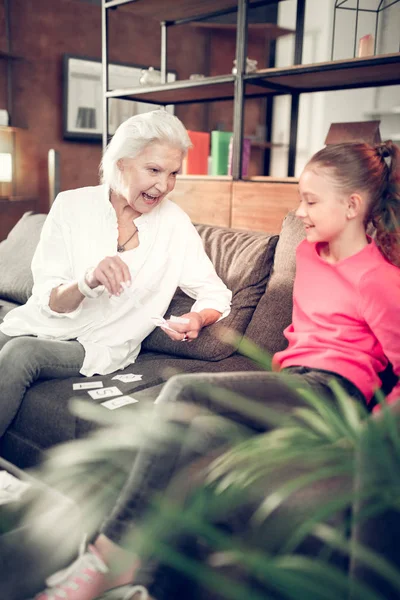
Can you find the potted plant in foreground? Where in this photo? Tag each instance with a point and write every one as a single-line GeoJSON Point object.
{"type": "Point", "coordinates": [315, 503]}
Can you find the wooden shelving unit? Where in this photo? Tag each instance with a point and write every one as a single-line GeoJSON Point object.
{"type": "Point", "coordinates": [294, 80]}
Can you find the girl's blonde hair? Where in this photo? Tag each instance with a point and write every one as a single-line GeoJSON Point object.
{"type": "Point", "coordinates": [374, 170]}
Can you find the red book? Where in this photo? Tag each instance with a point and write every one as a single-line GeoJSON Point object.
{"type": "Point", "coordinates": [196, 162]}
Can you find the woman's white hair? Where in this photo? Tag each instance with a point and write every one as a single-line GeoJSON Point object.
{"type": "Point", "coordinates": [134, 134]}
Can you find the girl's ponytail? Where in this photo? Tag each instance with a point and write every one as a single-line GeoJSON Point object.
{"type": "Point", "coordinates": [385, 212]}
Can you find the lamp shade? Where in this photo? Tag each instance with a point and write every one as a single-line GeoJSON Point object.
{"type": "Point", "coordinates": [5, 167]}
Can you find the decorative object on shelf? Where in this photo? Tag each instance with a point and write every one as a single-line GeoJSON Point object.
{"type": "Point", "coordinates": [356, 131]}
{"type": "Point", "coordinates": [366, 46]}
{"type": "Point", "coordinates": [196, 76]}
{"type": "Point", "coordinates": [82, 110]}
{"type": "Point", "coordinates": [251, 66]}
{"type": "Point", "coordinates": [4, 117]}
{"type": "Point", "coordinates": [150, 77]}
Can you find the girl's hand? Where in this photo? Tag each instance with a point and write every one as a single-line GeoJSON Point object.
{"type": "Point", "coordinates": [112, 272]}
{"type": "Point", "coordinates": [185, 332]}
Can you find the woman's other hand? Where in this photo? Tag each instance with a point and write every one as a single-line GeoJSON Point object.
{"type": "Point", "coordinates": [112, 272]}
{"type": "Point", "coordinates": [185, 332]}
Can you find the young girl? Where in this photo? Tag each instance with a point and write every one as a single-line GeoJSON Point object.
{"type": "Point", "coordinates": [345, 327]}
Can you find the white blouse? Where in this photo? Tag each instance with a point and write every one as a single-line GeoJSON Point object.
{"type": "Point", "coordinates": [80, 230]}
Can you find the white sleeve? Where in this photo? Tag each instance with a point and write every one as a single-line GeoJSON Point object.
{"type": "Point", "coordinates": [199, 279]}
{"type": "Point", "coordinates": [51, 264]}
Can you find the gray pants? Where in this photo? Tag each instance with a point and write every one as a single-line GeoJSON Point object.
{"type": "Point", "coordinates": [155, 467]}
{"type": "Point", "coordinates": [23, 360]}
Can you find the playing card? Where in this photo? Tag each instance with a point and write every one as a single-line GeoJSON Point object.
{"type": "Point", "coordinates": [105, 392]}
{"type": "Point", "coordinates": [161, 322]}
{"type": "Point", "coordinates": [87, 385]}
{"type": "Point", "coordinates": [118, 402]}
{"type": "Point", "coordinates": [182, 320]}
{"type": "Point", "coordinates": [128, 377]}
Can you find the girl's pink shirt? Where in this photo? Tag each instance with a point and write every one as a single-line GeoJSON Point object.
{"type": "Point", "coordinates": [345, 317]}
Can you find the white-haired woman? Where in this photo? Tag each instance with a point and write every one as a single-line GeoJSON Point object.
{"type": "Point", "coordinates": [109, 258]}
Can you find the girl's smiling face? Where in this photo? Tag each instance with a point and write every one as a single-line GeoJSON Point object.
{"type": "Point", "coordinates": [148, 177]}
{"type": "Point", "coordinates": [323, 208]}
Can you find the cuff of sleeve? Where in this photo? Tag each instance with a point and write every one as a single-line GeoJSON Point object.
{"type": "Point", "coordinates": [86, 290]}
{"type": "Point", "coordinates": [204, 304]}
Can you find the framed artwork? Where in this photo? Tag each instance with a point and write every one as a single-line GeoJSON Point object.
{"type": "Point", "coordinates": [83, 97]}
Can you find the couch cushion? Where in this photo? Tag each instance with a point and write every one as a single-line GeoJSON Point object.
{"type": "Point", "coordinates": [44, 418]}
{"type": "Point", "coordinates": [274, 311]}
{"type": "Point", "coordinates": [16, 253]}
{"type": "Point", "coordinates": [5, 307]}
{"type": "Point", "coordinates": [243, 260]}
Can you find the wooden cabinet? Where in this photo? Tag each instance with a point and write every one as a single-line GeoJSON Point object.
{"type": "Point", "coordinates": [257, 204]}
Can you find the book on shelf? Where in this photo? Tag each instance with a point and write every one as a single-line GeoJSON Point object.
{"type": "Point", "coordinates": [220, 152]}
{"type": "Point", "coordinates": [196, 161]}
{"type": "Point", "coordinates": [245, 156]}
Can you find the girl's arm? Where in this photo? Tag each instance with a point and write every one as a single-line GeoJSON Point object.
{"type": "Point", "coordinates": [380, 293]}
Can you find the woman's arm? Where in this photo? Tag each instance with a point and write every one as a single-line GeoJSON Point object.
{"type": "Point", "coordinates": [112, 273]}
{"type": "Point", "coordinates": [65, 298]}
{"type": "Point", "coordinates": [195, 322]}
{"type": "Point", "coordinates": [199, 281]}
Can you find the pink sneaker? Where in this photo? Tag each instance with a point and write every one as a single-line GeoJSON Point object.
{"type": "Point", "coordinates": [85, 579]}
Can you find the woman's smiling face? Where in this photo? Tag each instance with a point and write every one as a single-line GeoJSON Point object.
{"type": "Point", "coordinates": [148, 177]}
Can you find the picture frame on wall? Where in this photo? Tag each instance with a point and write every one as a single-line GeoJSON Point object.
{"type": "Point", "coordinates": [83, 97]}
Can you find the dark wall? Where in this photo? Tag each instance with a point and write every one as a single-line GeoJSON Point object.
{"type": "Point", "coordinates": [42, 31]}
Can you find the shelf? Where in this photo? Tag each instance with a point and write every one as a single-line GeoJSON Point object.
{"type": "Point", "coordinates": [176, 10]}
{"type": "Point", "coordinates": [180, 92]}
{"type": "Point", "coordinates": [205, 177]}
{"type": "Point", "coordinates": [271, 179]}
{"type": "Point", "coordinates": [317, 77]}
{"type": "Point", "coordinates": [269, 31]}
{"type": "Point", "coordinates": [264, 145]}
{"type": "Point", "coordinates": [340, 74]}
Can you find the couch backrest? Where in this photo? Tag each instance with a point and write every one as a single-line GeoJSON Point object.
{"type": "Point", "coordinates": [274, 311]}
{"type": "Point", "coordinates": [243, 260]}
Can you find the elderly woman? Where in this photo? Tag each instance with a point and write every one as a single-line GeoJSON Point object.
{"type": "Point", "coordinates": [109, 259]}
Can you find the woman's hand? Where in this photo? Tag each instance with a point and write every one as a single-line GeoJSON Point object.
{"type": "Point", "coordinates": [185, 332]}
{"type": "Point", "coordinates": [112, 272]}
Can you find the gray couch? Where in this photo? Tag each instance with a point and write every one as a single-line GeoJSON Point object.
{"type": "Point", "coordinates": [258, 268]}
